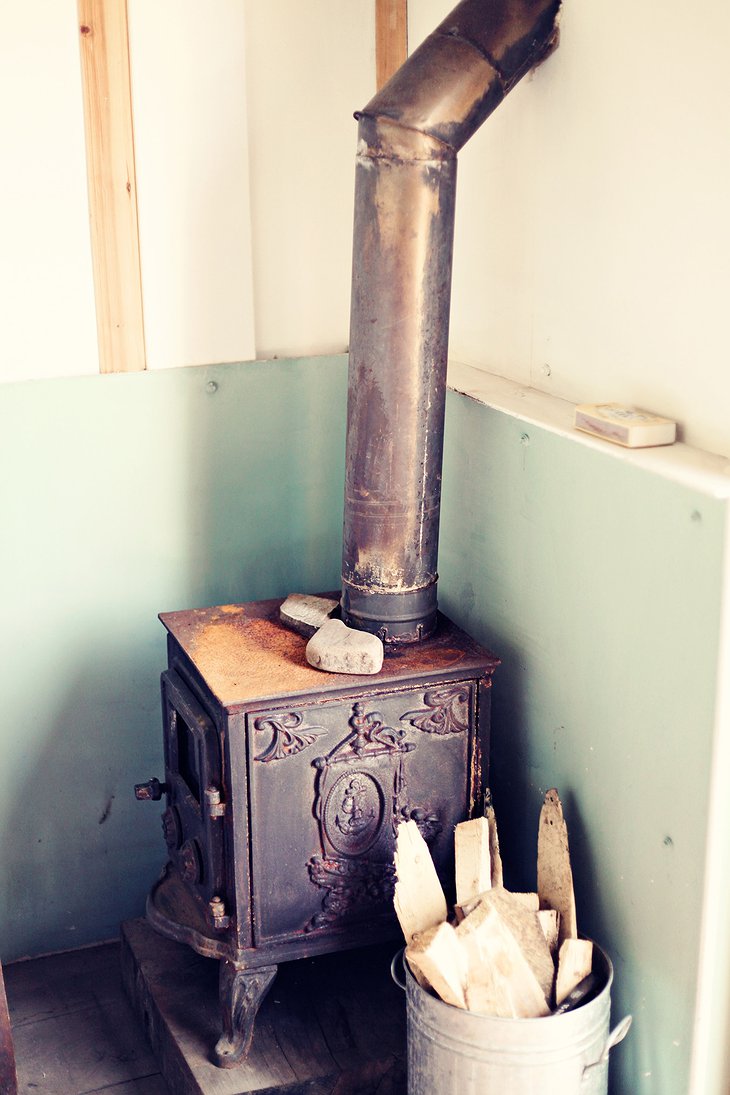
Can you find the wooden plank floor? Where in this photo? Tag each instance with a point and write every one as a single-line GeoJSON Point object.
{"type": "Point", "coordinates": [74, 1031]}
{"type": "Point", "coordinates": [333, 1025]}
{"type": "Point", "coordinates": [329, 1026]}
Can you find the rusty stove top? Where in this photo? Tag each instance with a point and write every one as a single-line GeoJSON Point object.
{"type": "Point", "coordinates": [246, 655]}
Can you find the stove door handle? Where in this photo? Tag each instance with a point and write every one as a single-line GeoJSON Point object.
{"type": "Point", "coordinates": [151, 791]}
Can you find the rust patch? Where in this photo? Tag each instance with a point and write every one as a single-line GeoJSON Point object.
{"type": "Point", "coordinates": [242, 658]}
{"type": "Point", "coordinates": [405, 658]}
{"type": "Point", "coordinates": [246, 654]}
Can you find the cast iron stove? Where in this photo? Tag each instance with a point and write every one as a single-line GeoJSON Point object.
{"type": "Point", "coordinates": [284, 787]}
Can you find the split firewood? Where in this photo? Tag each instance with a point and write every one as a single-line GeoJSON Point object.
{"type": "Point", "coordinates": [462, 911]}
{"type": "Point", "coordinates": [486, 990]}
{"type": "Point", "coordinates": [437, 959]}
{"type": "Point", "coordinates": [550, 923]}
{"type": "Point", "coordinates": [531, 901]}
{"type": "Point", "coordinates": [495, 858]}
{"type": "Point", "coordinates": [500, 981]}
{"type": "Point", "coordinates": [524, 925]}
{"type": "Point", "coordinates": [473, 861]}
{"type": "Point", "coordinates": [419, 899]}
{"type": "Point", "coordinates": [554, 874]}
{"type": "Point", "coordinates": [505, 954]}
{"type": "Point", "coordinates": [575, 962]}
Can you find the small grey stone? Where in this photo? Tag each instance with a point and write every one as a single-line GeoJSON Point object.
{"type": "Point", "coordinates": [304, 613]}
{"type": "Point", "coordinates": [341, 649]}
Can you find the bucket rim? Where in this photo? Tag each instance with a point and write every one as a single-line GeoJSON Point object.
{"type": "Point", "coordinates": [412, 987]}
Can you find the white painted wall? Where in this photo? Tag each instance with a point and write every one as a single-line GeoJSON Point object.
{"type": "Point", "coordinates": [309, 67]}
{"type": "Point", "coordinates": [191, 150]}
{"type": "Point", "coordinates": [245, 147]}
{"type": "Point", "coordinates": [47, 320]}
{"type": "Point", "coordinates": [245, 154]}
{"type": "Point", "coordinates": [592, 254]}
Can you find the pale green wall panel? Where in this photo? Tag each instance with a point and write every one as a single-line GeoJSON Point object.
{"type": "Point", "coordinates": [121, 497]}
{"type": "Point", "coordinates": [598, 585]}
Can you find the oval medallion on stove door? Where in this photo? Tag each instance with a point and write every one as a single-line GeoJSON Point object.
{"type": "Point", "coordinates": [353, 813]}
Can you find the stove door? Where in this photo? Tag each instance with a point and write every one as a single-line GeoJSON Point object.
{"type": "Point", "coordinates": [329, 784]}
{"type": "Point", "coordinates": [193, 821]}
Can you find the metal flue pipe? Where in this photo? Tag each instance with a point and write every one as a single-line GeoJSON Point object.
{"type": "Point", "coordinates": [409, 135]}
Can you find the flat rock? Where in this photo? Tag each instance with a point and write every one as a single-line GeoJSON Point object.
{"type": "Point", "coordinates": [305, 613]}
{"type": "Point", "coordinates": [341, 649]}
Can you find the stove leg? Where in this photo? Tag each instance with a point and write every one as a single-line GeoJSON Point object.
{"type": "Point", "coordinates": [240, 992]}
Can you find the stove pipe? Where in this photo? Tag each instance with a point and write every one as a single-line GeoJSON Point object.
{"type": "Point", "coordinates": [409, 135]}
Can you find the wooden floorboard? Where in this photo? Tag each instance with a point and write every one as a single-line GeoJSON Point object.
{"type": "Point", "coordinates": [330, 1026]}
{"type": "Point", "coordinates": [148, 1085]}
{"type": "Point", "coordinates": [333, 1025]}
{"type": "Point", "coordinates": [74, 1031]}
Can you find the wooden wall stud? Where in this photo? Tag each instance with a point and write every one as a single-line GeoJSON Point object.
{"type": "Point", "coordinates": [107, 100]}
{"type": "Point", "coordinates": [391, 37]}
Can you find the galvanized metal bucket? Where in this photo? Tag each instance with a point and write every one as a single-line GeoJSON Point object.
{"type": "Point", "coordinates": [456, 1052]}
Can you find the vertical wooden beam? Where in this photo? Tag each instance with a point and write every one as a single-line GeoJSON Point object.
{"type": "Point", "coordinates": [391, 38]}
{"type": "Point", "coordinates": [107, 100]}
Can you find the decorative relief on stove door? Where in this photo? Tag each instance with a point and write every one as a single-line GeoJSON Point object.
{"type": "Point", "coordinates": [324, 820]}
{"type": "Point", "coordinates": [446, 711]}
{"type": "Point", "coordinates": [289, 735]}
{"type": "Point", "coordinates": [359, 792]}
{"type": "Point", "coordinates": [429, 824]}
{"type": "Point", "coordinates": [189, 862]}
{"type": "Point", "coordinates": [350, 887]}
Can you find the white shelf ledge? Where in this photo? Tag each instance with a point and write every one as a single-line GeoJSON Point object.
{"type": "Point", "coordinates": [702, 471]}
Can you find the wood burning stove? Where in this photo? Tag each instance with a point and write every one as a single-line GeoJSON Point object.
{"type": "Point", "coordinates": [284, 787]}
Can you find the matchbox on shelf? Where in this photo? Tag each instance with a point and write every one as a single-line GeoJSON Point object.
{"type": "Point", "coordinates": [628, 426]}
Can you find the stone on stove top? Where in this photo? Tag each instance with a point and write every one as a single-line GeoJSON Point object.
{"type": "Point", "coordinates": [337, 648]}
{"type": "Point", "coordinates": [305, 613]}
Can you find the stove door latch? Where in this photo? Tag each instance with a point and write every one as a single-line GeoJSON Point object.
{"type": "Point", "coordinates": [216, 808]}
{"type": "Point", "coordinates": [151, 791]}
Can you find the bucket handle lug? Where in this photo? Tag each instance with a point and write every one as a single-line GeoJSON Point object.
{"type": "Point", "coordinates": [617, 1035]}
{"type": "Point", "coordinates": [399, 956]}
